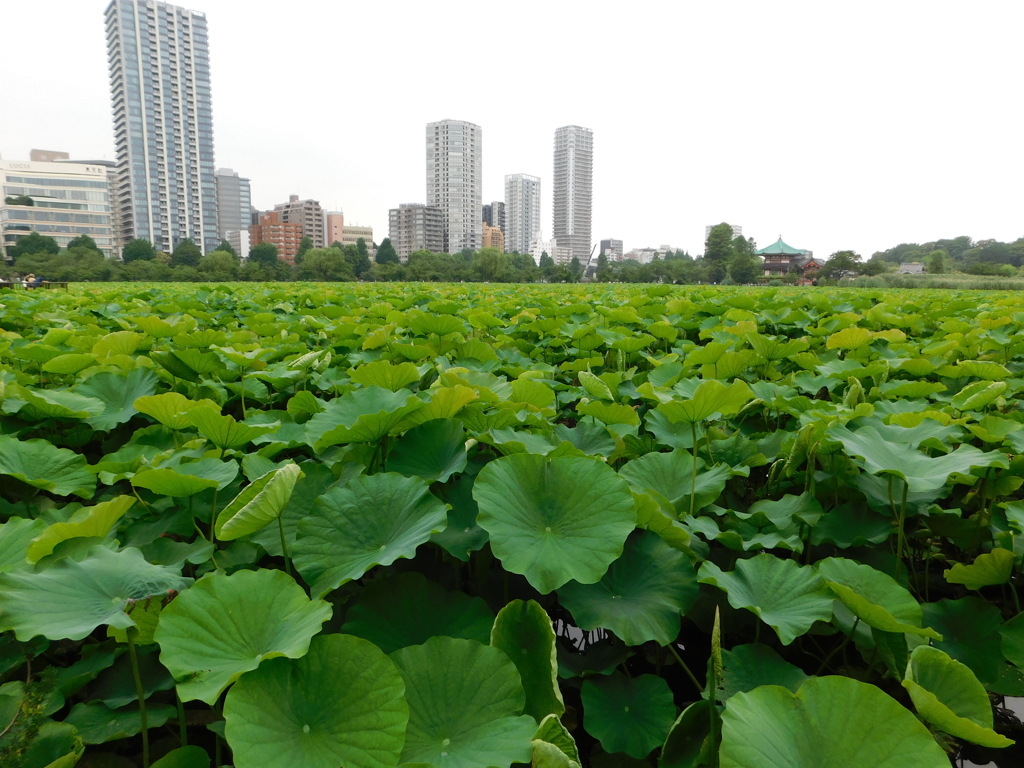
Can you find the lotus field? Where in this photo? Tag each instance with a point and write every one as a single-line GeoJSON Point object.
{"type": "Point", "coordinates": [470, 526]}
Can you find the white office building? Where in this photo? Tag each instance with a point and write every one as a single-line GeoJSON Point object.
{"type": "Point", "coordinates": [455, 182]}
{"type": "Point", "coordinates": [573, 193]}
{"type": "Point", "coordinates": [522, 212]}
{"type": "Point", "coordinates": [159, 61]}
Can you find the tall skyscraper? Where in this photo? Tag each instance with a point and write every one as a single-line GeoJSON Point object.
{"type": "Point", "coordinates": [159, 62]}
{"type": "Point", "coordinates": [494, 215]}
{"type": "Point", "coordinates": [414, 227]}
{"type": "Point", "coordinates": [234, 206]}
{"type": "Point", "coordinates": [522, 212]}
{"type": "Point", "coordinates": [455, 181]}
{"type": "Point", "coordinates": [573, 189]}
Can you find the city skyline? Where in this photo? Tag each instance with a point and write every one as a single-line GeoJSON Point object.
{"type": "Point", "coordinates": [824, 145]}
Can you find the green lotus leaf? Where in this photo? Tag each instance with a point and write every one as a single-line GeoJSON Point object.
{"type": "Point", "coordinates": [709, 398]}
{"type": "Point", "coordinates": [42, 465]}
{"type": "Point", "coordinates": [56, 745]}
{"type": "Point", "coordinates": [444, 403]}
{"type": "Point", "coordinates": [118, 395]}
{"type": "Point", "coordinates": [970, 633]}
{"type": "Point", "coordinates": [922, 473]}
{"type": "Point", "coordinates": [71, 598]}
{"type": "Point", "coordinates": [547, 755]}
{"type": "Point", "coordinates": [370, 521]}
{"type": "Point", "coordinates": [97, 723]}
{"type": "Point", "coordinates": [746, 667]}
{"type": "Point", "coordinates": [70, 363]}
{"type": "Point", "coordinates": [671, 475]}
{"type": "Point", "coordinates": [977, 395]}
{"type": "Point", "coordinates": [849, 338]}
{"type": "Point", "coordinates": [407, 609]}
{"type": "Point", "coordinates": [594, 386]}
{"type": "Point", "coordinates": [117, 343]}
{"type": "Point", "coordinates": [551, 731]}
{"type": "Point", "coordinates": [342, 703]}
{"type": "Point", "coordinates": [90, 521]}
{"type": "Point", "coordinates": [948, 695]}
{"type": "Point", "coordinates": [875, 597]}
{"type": "Point", "coordinates": [16, 537]}
{"type": "Point", "coordinates": [226, 625]}
{"type": "Point", "coordinates": [223, 431]}
{"type": "Point", "coordinates": [852, 526]}
{"type": "Point", "coordinates": [170, 482]}
{"type": "Point", "coordinates": [259, 504]}
{"type": "Point", "coordinates": [184, 757]}
{"type": "Point", "coordinates": [316, 478]}
{"type": "Point", "coordinates": [524, 632]}
{"type": "Point", "coordinates": [146, 615]}
{"type": "Point", "coordinates": [554, 520]}
{"type": "Point", "coordinates": [641, 597]}
{"type": "Point", "coordinates": [833, 721]}
{"type": "Point", "coordinates": [532, 392]}
{"type": "Point", "coordinates": [1012, 640]}
{"type": "Point", "coordinates": [465, 701]}
{"type": "Point", "coordinates": [987, 570]}
{"type": "Point", "coordinates": [786, 596]}
{"type": "Point", "coordinates": [804, 508]}
{"type": "Point", "coordinates": [303, 405]}
{"type": "Point", "coordinates": [435, 450]}
{"type": "Point", "coordinates": [424, 324]}
{"type": "Point", "coordinates": [628, 714]}
{"type": "Point", "coordinates": [57, 404]}
{"type": "Point", "coordinates": [463, 535]}
{"type": "Point", "coordinates": [688, 744]}
{"type": "Point", "coordinates": [385, 375]}
{"type": "Point", "coordinates": [361, 416]}
{"type": "Point", "coordinates": [222, 472]}
{"type": "Point", "coordinates": [172, 408]}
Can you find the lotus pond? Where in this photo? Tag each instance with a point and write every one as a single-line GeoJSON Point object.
{"type": "Point", "coordinates": [471, 526]}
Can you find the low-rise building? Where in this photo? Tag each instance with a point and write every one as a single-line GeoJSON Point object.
{"type": "Point", "coordinates": [306, 213]}
{"type": "Point", "coordinates": [612, 249]}
{"type": "Point", "coordinates": [493, 237]}
{"type": "Point", "coordinates": [334, 227]}
{"type": "Point", "coordinates": [283, 234]}
{"type": "Point", "coordinates": [780, 258]}
{"type": "Point", "coordinates": [59, 198]}
{"type": "Point", "coordinates": [352, 233]}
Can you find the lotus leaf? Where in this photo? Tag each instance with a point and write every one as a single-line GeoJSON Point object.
{"type": "Point", "coordinates": [406, 609]}
{"type": "Point", "coordinates": [523, 631]}
{"type": "Point", "coordinates": [363, 416]}
{"type": "Point", "coordinates": [465, 701]}
{"type": "Point", "coordinates": [90, 521]}
{"type": "Point", "coordinates": [227, 625]}
{"type": "Point", "coordinates": [970, 633]}
{"type": "Point", "coordinates": [435, 450]}
{"type": "Point", "coordinates": [996, 567]}
{"type": "Point", "coordinates": [260, 504]}
{"type": "Point", "coordinates": [628, 714]}
{"type": "Point", "coordinates": [118, 395]}
{"type": "Point", "coordinates": [41, 465]}
{"type": "Point", "coordinates": [172, 408]}
{"type": "Point", "coordinates": [370, 521]}
{"type": "Point", "coordinates": [554, 520]}
{"type": "Point", "coordinates": [343, 703]}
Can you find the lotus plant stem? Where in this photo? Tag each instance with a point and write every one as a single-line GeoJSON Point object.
{"type": "Point", "coordinates": [899, 532]}
{"type": "Point", "coordinates": [840, 647]}
{"type": "Point", "coordinates": [182, 728]}
{"type": "Point", "coordinates": [693, 478]}
{"type": "Point", "coordinates": [686, 669]}
{"type": "Point", "coordinates": [284, 546]}
{"type": "Point", "coordinates": [1016, 599]}
{"type": "Point", "coordinates": [141, 694]}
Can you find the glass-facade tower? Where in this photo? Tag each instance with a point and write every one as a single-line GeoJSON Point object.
{"type": "Point", "coordinates": [455, 182]}
{"type": "Point", "coordinates": [163, 123]}
{"type": "Point", "coordinates": [573, 189]}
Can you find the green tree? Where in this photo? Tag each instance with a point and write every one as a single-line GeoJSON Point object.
{"type": "Point", "coordinates": [186, 254]}
{"type": "Point", "coordinates": [387, 254]}
{"type": "Point", "coordinates": [264, 254]}
{"type": "Point", "coordinates": [936, 264]}
{"type": "Point", "coordinates": [31, 244]}
{"type": "Point", "coordinates": [874, 267]}
{"type": "Point", "coordinates": [138, 249]}
{"type": "Point", "coordinates": [744, 268]}
{"type": "Point", "coordinates": [304, 245]}
{"type": "Point", "coordinates": [545, 260]}
{"type": "Point", "coordinates": [488, 264]}
{"type": "Point", "coordinates": [576, 270]}
{"type": "Point", "coordinates": [324, 265]}
{"type": "Point", "coordinates": [719, 251]}
{"type": "Point", "coordinates": [219, 266]}
{"type": "Point", "coordinates": [363, 252]}
{"type": "Point", "coordinates": [83, 241]}
{"type": "Point", "coordinates": [841, 264]}
{"type": "Point", "coordinates": [227, 248]}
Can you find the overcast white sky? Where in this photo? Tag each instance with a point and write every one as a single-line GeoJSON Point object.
{"type": "Point", "coordinates": [838, 125]}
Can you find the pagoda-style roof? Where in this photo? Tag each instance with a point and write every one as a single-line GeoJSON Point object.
{"type": "Point", "coordinates": [779, 248]}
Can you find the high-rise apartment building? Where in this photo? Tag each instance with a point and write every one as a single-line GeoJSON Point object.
{"type": "Point", "coordinates": [414, 227]}
{"type": "Point", "coordinates": [159, 61]}
{"type": "Point", "coordinates": [272, 228]}
{"type": "Point", "coordinates": [522, 212]}
{"type": "Point", "coordinates": [60, 199]}
{"type": "Point", "coordinates": [306, 213]}
{"type": "Point", "coordinates": [573, 189]}
{"type": "Point", "coordinates": [494, 215]}
{"type": "Point", "coordinates": [334, 227]}
{"type": "Point", "coordinates": [234, 206]}
{"type": "Point", "coordinates": [612, 249]}
{"type": "Point", "coordinates": [455, 181]}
